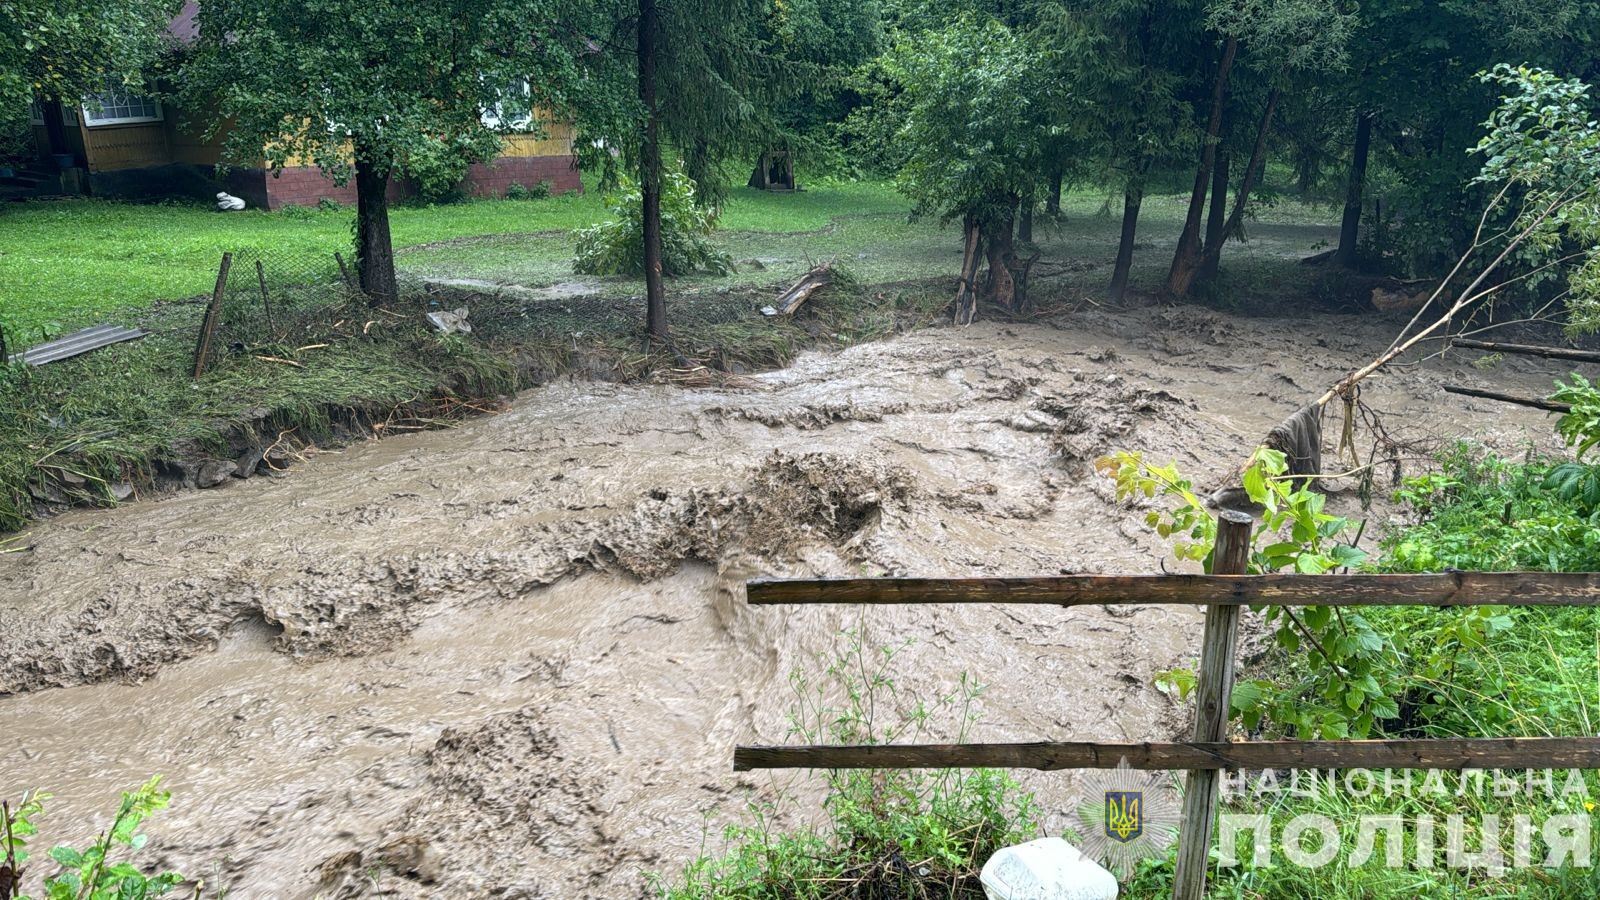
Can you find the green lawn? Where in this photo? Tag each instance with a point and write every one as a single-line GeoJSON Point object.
{"type": "Point", "coordinates": [64, 264]}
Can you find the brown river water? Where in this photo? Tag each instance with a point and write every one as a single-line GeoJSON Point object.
{"type": "Point", "coordinates": [512, 659]}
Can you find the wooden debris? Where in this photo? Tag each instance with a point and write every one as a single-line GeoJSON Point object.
{"type": "Point", "coordinates": [1535, 402]}
{"type": "Point", "coordinates": [281, 360]}
{"type": "Point", "coordinates": [213, 318]}
{"type": "Point", "coordinates": [1589, 356]}
{"type": "Point", "coordinates": [801, 291]}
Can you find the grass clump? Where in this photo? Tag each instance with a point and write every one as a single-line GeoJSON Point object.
{"type": "Point", "coordinates": [886, 834]}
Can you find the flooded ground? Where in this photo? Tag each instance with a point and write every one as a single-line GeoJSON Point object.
{"type": "Point", "coordinates": [512, 659]}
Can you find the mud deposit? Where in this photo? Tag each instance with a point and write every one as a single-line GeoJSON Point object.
{"type": "Point", "coordinates": [513, 659]}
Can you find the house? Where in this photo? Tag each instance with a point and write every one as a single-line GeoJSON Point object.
{"type": "Point", "coordinates": [120, 144]}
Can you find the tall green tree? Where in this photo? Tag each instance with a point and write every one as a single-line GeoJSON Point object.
{"type": "Point", "coordinates": [1415, 108]}
{"type": "Point", "coordinates": [686, 76]}
{"type": "Point", "coordinates": [1269, 43]}
{"type": "Point", "coordinates": [378, 89]}
{"type": "Point", "coordinates": [68, 49]}
{"type": "Point", "coordinates": [1130, 65]}
{"type": "Point", "coordinates": [976, 116]}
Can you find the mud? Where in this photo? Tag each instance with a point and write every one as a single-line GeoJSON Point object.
{"type": "Point", "coordinates": [512, 659]}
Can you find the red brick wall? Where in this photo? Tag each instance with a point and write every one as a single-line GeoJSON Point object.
{"type": "Point", "coordinates": [304, 186]}
{"type": "Point", "coordinates": [491, 179]}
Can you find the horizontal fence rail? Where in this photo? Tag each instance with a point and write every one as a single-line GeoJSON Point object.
{"type": "Point", "coordinates": [1453, 754]}
{"type": "Point", "coordinates": [1441, 589]}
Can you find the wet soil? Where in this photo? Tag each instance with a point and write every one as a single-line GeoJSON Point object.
{"type": "Point", "coordinates": [512, 659]}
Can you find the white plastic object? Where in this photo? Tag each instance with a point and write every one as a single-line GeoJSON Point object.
{"type": "Point", "coordinates": [1046, 869]}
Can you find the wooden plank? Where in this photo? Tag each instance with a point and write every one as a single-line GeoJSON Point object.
{"type": "Point", "coordinates": [1452, 754]}
{"type": "Point", "coordinates": [1441, 589]}
{"type": "Point", "coordinates": [1535, 402]}
{"type": "Point", "coordinates": [1589, 356]}
{"type": "Point", "coordinates": [1212, 694]}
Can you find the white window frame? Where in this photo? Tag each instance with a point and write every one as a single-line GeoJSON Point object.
{"type": "Point", "coordinates": [92, 119]}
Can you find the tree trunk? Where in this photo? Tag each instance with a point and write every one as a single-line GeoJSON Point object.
{"type": "Point", "coordinates": [1186, 260]}
{"type": "Point", "coordinates": [1350, 225]}
{"type": "Point", "coordinates": [1025, 220]}
{"type": "Point", "coordinates": [1216, 218]}
{"type": "Point", "coordinates": [1258, 159]}
{"type": "Point", "coordinates": [1132, 198]}
{"type": "Point", "coordinates": [650, 175]}
{"type": "Point", "coordinates": [967, 289]}
{"type": "Point", "coordinates": [1002, 286]}
{"type": "Point", "coordinates": [1052, 201]}
{"type": "Point", "coordinates": [374, 249]}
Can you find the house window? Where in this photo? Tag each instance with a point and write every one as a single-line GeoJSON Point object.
{"type": "Point", "coordinates": [35, 113]}
{"type": "Point", "coordinates": [119, 105]}
{"type": "Point", "coordinates": [514, 112]}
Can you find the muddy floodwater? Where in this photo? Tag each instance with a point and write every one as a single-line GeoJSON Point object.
{"type": "Point", "coordinates": [512, 659]}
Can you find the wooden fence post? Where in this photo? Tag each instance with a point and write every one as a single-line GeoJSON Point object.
{"type": "Point", "coordinates": [1212, 694]}
{"type": "Point", "coordinates": [208, 326]}
{"type": "Point", "coordinates": [266, 302]}
{"type": "Point", "coordinates": [344, 271]}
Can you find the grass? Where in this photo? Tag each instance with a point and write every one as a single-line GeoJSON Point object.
{"type": "Point", "coordinates": [67, 264]}
{"type": "Point", "coordinates": [62, 263]}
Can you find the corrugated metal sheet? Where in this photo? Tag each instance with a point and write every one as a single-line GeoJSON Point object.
{"type": "Point", "coordinates": [76, 343]}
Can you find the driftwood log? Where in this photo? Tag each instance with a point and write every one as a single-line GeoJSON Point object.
{"type": "Point", "coordinates": [1535, 402]}
{"type": "Point", "coordinates": [1589, 356]}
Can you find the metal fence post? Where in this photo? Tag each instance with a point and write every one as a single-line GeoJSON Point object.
{"type": "Point", "coordinates": [1212, 694]}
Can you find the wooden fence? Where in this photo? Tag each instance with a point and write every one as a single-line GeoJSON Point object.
{"type": "Point", "coordinates": [1208, 752]}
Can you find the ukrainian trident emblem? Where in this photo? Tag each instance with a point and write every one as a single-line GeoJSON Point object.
{"type": "Point", "coordinates": [1127, 816]}
{"type": "Point", "coordinates": [1124, 816]}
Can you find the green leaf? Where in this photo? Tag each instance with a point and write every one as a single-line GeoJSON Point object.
{"type": "Point", "coordinates": [67, 856]}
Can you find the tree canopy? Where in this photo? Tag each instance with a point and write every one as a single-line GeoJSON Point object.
{"type": "Point", "coordinates": [69, 49]}
{"type": "Point", "coordinates": [378, 89]}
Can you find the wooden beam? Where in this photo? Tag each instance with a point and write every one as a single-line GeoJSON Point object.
{"type": "Point", "coordinates": [1441, 589]}
{"type": "Point", "coordinates": [1231, 556]}
{"type": "Point", "coordinates": [1588, 356]}
{"type": "Point", "coordinates": [1463, 753]}
{"type": "Point", "coordinates": [1535, 402]}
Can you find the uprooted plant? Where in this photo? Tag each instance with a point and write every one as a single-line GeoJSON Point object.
{"type": "Point", "coordinates": [89, 873]}
{"type": "Point", "coordinates": [889, 834]}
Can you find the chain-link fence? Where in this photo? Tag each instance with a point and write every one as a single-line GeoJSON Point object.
{"type": "Point", "coordinates": [270, 300]}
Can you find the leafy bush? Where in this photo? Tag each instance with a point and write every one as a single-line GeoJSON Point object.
{"type": "Point", "coordinates": [437, 166]}
{"type": "Point", "coordinates": [616, 246]}
{"type": "Point", "coordinates": [87, 874]}
{"type": "Point", "coordinates": [517, 191]}
{"type": "Point", "coordinates": [911, 834]}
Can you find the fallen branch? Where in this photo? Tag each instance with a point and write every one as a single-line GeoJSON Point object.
{"type": "Point", "coordinates": [1535, 402]}
{"type": "Point", "coordinates": [1589, 356]}
{"type": "Point", "coordinates": [280, 360]}
{"type": "Point", "coordinates": [799, 292]}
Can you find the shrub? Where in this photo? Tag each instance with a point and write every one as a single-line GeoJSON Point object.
{"type": "Point", "coordinates": [616, 246]}
{"type": "Point", "coordinates": [518, 191]}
